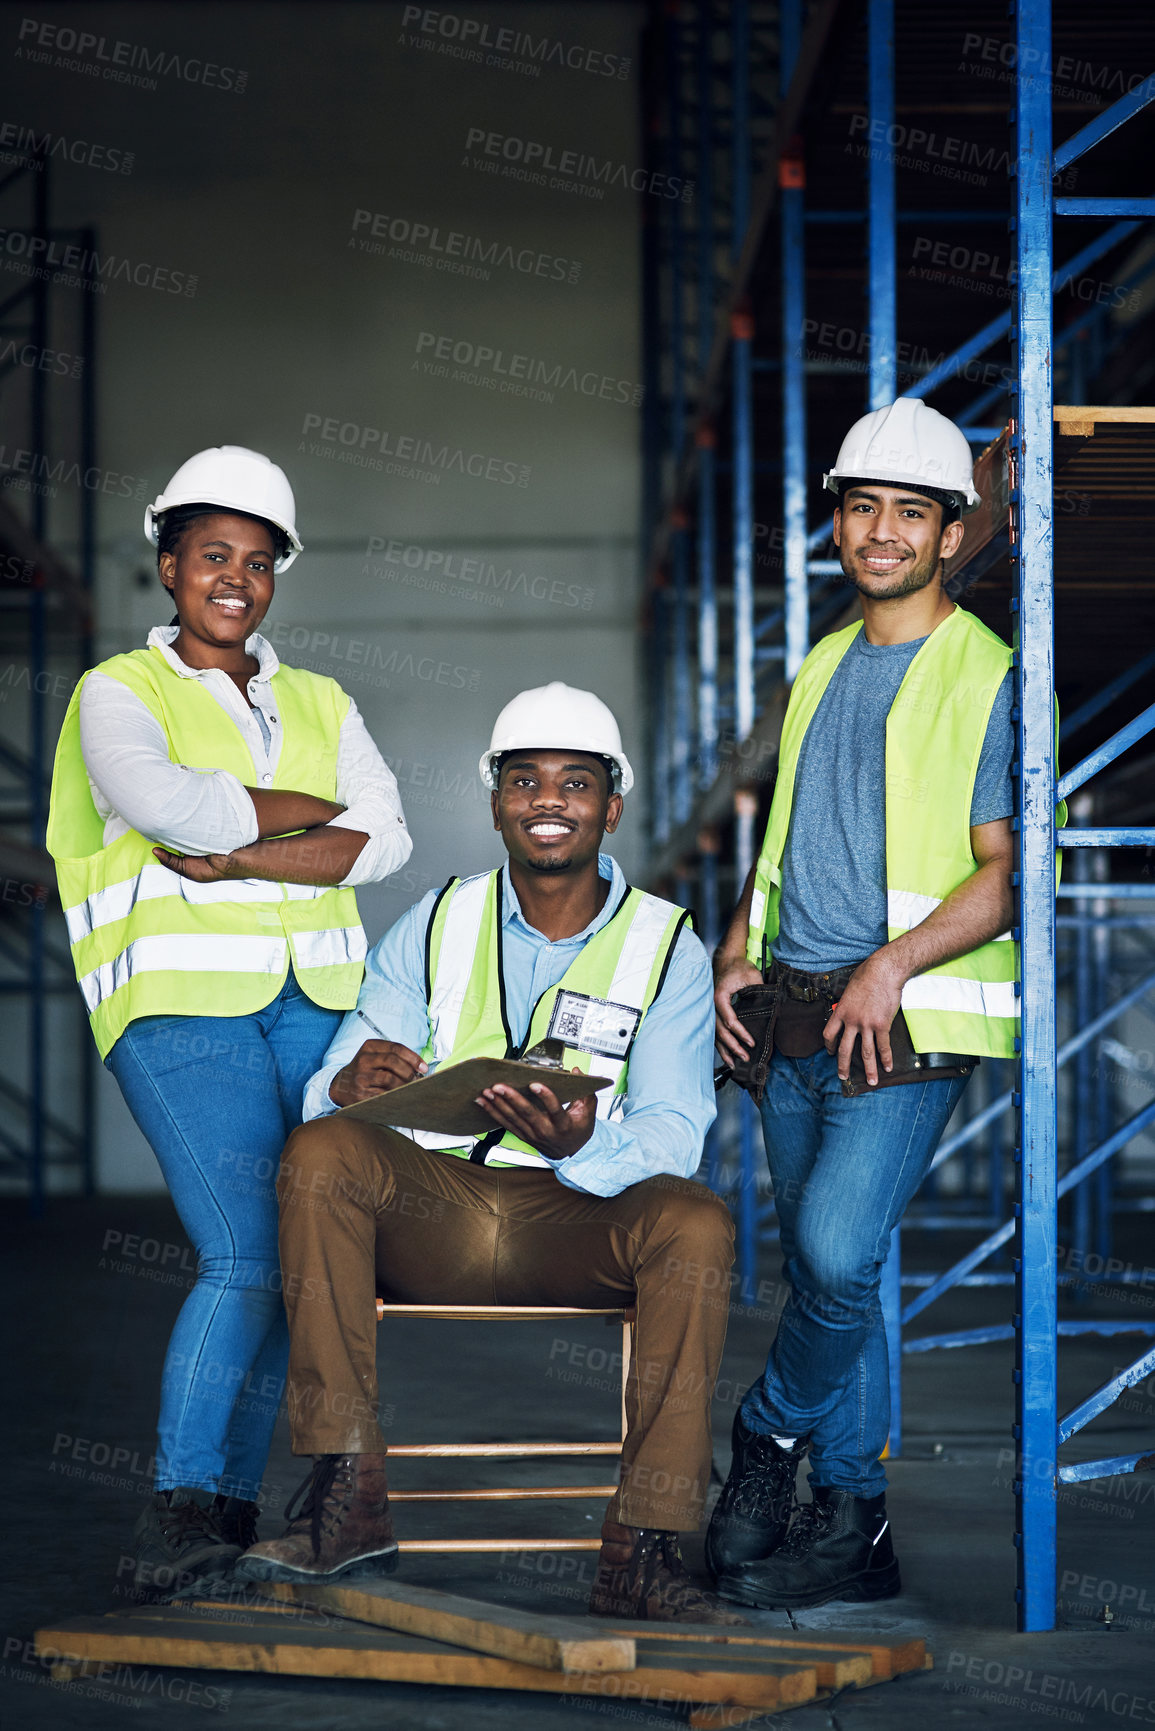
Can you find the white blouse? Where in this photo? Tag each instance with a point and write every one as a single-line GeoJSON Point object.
{"type": "Point", "coordinates": [135, 785]}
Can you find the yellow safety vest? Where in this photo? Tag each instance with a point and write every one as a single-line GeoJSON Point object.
{"type": "Point", "coordinates": [934, 739]}
{"type": "Point", "coordinates": [147, 942]}
{"type": "Point", "coordinates": [595, 1009]}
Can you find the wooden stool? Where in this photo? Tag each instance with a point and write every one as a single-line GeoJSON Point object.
{"type": "Point", "coordinates": [508, 1450]}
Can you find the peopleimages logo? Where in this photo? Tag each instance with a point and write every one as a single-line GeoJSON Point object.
{"type": "Point", "coordinates": [25, 140]}
{"type": "Point", "coordinates": [451, 250]}
{"type": "Point", "coordinates": [503, 47]}
{"type": "Point", "coordinates": [70, 50]}
{"type": "Point", "coordinates": [536, 164]}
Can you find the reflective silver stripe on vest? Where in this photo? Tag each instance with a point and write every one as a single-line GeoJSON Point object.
{"type": "Point", "coordinates": [154, 881]}
{"type": "Point", "coordinates": [185, 953]}
{"type": "Point", "coordinates": [906, 909]}
{"type": "Point", "coordinates": [459, 936]}
{"type": "Point", "coordinates": [953, 993]}
{"type": "Point", "coordinates": [333, 947]}
{"type": "Point", "coordinates": [628, 986]}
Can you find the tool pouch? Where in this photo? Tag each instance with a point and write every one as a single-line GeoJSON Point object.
{"type": "Point", "coordinates": [756, 1007]}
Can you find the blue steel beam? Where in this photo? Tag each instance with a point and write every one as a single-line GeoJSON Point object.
{"type": "Point", "coordinates": [793, 271]}
{"type": "Point", "coordinates": [1107, 1468]}
{"type": "Point", "coordinates": [1105, 1396]}
{"type": "Point", "coordinates": [1098, 208]}
{"type": "Point", "coordinates": [1031, 448]}
{"type": "Point", "coordinates": [882, 324]}
{"type": "Point", "coordinates": [1106, 753]}
{"type": "Point", "coordinates": [742, 408]}
{"type": "Point", "coordinates": [881, 207]}
{"type": "Point", "coordinates": [1122, 837]}
{"type": "Point", "coordinates": [680, 720]}
{"type": "Point", "coordinates": [1133, 1127]}
{"type": "Point", "coordinates": [704, 439]}
{"type": "Point", "coordinates": [954, 365]}
{"type": "Point", "coordinates": [1104, 124]}
{"type": "Point", "coordinates": [1005, 1331]}
{"type": "Point", "coordinates": [1103, 699]}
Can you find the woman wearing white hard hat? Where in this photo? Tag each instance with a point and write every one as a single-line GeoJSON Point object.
{"type": "Point", "coordinates": [211, 812]}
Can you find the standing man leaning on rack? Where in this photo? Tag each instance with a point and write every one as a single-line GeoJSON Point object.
{"type": "Point", "coordinates": [878, 915]}
{"type": "Point", "coordinates": [586, 1204]}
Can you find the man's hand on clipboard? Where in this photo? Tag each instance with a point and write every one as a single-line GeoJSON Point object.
{"type": "Point", "coordinates": [540, 1119]}
{"type": "Point", "coordinates": [379, 1066]}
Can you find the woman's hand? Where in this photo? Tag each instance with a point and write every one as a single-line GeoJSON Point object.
{"type": "Point", "coordinates": [553, 1129]}
{"type": "Point", "coordinates": [212, 868]}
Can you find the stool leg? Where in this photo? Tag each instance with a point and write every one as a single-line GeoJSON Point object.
{"type": "Point", "coordinates": [627, 1353]}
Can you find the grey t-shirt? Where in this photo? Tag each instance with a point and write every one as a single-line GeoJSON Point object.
{"type": "Point", "coordinates": [833, 907]}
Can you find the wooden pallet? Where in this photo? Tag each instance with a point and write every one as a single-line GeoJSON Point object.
{"type": "Point", "coordinates": [380, 1631]}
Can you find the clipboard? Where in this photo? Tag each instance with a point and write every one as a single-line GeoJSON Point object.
{"type": "Point", "coordinates": [445, 1102]}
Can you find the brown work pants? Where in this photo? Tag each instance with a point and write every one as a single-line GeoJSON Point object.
{"type": "Point", "coordinates": [364, 1211]}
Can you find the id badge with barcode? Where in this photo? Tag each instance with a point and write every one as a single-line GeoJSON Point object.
{"type": "Point", "coordinates": [593, 1024]}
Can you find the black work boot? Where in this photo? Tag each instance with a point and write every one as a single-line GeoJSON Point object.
{"type": "Point", "coordinates": [838, 1548]}
{"type": "Point", "coordinates": [178, 1539]}
{"type": "Point", "coordinates": [238, 1520]}
{"type": "Point", "coordinates": [753, 1512]}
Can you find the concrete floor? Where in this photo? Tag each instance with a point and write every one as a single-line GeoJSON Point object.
{"type": "Point", "coordinates": [89, 1312]}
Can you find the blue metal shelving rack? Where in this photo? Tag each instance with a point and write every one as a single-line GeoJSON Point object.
{"type": "Point", "coordinates": [722, 660]}
{"type": "Point", "coordinates": [48, 1121]}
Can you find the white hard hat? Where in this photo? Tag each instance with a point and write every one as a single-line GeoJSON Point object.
{"type": "Point", "coordinates": [236, 479]}
{"type": "Point", "coordinates": [557, 718]}
{"type": "Point", "coordinates": [907, 445]}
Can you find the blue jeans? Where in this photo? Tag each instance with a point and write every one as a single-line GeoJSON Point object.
{"type": "Point", "coordinates": [217, 1096]}
{"type": "Point", "coordinates": [844, 1171]}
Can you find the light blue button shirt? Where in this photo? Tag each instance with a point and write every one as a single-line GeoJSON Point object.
{"type": "Point", "coordinates": [670, 1104]}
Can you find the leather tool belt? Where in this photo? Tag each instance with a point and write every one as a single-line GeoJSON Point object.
{"type": "Point", "coordinates": [787, 1014]}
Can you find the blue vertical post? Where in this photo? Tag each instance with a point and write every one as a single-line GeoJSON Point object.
{"type": "Point", "coordinates": [707, 585]}
{"type": "Point", "coordinates": [650, 503]}
{"type": "Point", "coordinates": [742, 334]}
{"type": "Point", "coordinates": [792, 180]}
{"type": "Point", "coordinates": [707, 613]}
{"type": "Point", "coordinates": [1031, 497]}
{"type": "Point", "coordinates": [37, 726]}
{"type": "Point", "coordinates": [1082, 1128]}
{"type": "Point", "coordinates": [711, 914]}
{"type": "Point", "coordinates": [87, 650]}
{"type": "Point", "coordinates": [660, 701]}
{"type": "Point", "coordinates": [681, 714]}
{"type": "Point", "coordinates": [881, 213]}
{"type": "Point", "coordinates": [749, 1151]}
{"type": "Point", "coordinates": [882, 315]}
{"type": "Point", "coordinates": [1104, 1087]}
{"type": "Point", "coordinates": [890, 1294]}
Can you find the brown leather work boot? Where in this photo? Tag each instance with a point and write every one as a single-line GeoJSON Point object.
{"type": "Point", "coordinates": [641, 1574]}
{"type": "Point", "coordinates": [339, 1524]}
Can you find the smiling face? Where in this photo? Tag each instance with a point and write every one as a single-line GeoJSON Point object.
{"type": "Point", "coordinates": [221, 578]}
{"type": "Point", "coordinates": [553, 807]}
{"type": "Point", "coordinates": [891, 540]}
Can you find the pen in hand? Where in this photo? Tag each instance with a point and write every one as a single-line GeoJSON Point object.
{"type": "Point", "coordinates": [425, 1070]}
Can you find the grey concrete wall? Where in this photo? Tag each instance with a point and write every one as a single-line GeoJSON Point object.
{"type": "Point", "coordinates": [310, 265]}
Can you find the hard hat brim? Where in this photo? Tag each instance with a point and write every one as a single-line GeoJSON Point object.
{"type": "Point", "coordinates": [623, 777]}
{"type": "Point", "coordinates": [835, 479]}
{"type": "Point", "coordinates": [163, 503]}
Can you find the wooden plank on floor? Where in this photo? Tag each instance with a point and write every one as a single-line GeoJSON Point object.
{"type": "Point", "coordinates": [887, 1658]}
{"type": "Point", "coordinates": [269, 1643]}
{"type": "Point", "coordinates": [553, 1643]}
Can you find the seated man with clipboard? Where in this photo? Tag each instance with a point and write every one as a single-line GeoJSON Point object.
{"type": "Point", "coordinates": [525, 1186]}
